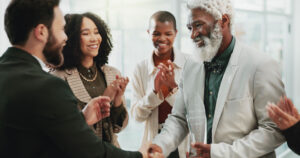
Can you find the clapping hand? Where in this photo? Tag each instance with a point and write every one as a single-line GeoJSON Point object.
{"type": "Point", "coordinates": [122, 83]}
{"type": "Point", "coordinates": [165, 76]}
{"type": "Point", "coordinates": [115, 90]}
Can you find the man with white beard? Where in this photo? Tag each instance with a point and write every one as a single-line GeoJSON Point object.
{"type": "Point", "coordinates": [223, 95]}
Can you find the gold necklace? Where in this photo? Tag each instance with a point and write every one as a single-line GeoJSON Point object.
{"type": "Point", "coordinates": [89, 80]}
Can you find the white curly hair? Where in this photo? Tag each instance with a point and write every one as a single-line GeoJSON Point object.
{"type": "Point", "coordinates": [216, 8]}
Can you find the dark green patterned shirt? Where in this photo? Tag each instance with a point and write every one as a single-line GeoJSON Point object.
{"type": "Point", "coordinates": [213, 78]}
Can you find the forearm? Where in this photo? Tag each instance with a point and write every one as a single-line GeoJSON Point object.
{"type": "Point", "coordinates": [172, 134]}
{"type": "Point", "coordinates": [257, 143]}
{"type": "Point", "coordinates": [143, 106]}
{"type": "Point", "coordinates": [118, 115]}
{"type": "Point", "coordinates": [292, 136]}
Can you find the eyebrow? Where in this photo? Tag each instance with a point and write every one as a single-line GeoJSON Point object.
{"type": "Point", "coordinates": [86, 29]}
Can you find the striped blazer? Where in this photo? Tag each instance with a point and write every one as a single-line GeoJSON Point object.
{"type": "Point", "coordinates": [75, 83]}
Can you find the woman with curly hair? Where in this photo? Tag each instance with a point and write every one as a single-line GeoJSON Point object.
{"type": "Point", "coordinates": [87, 73]}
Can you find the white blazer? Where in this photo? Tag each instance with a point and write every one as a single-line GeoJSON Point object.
{"type": "Point", "coordinates": [145, 102]}
{"type": "Point", "coordinates": [241, 127]}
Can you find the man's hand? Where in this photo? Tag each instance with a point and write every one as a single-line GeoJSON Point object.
{"type": "Point", "coordinates": [122, 83]}
{"type": "Point", "coordinates": [154, 151]}
{"type": "Point", "coordinates": [97, 109]}
{"type": "Point", "coordinates": [203, 150]}
{"type": "Point", "coordinates": [284, 114]}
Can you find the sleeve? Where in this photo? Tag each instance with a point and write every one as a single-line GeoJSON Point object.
{"type": "Point", "coordinates": [142, 103]}
{"type": "Point", "coordinates": [267, 87]}
{"type": "Point", "coordinates": [118, 115]}
{"type": "Point", "coordinates": [175, 128]}
{"type": "Point", "coordinates": [59, 119]}
{"type": "Point", "coordinates": [171, 98]}
{"type": "Point", "coordinates": [292, 136]}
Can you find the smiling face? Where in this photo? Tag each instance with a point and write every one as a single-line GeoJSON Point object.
{"type": "Point", "coordinates": [163, 35]}
{"type": "Point", "coordinates": [90, 38]}
{"type": "Point", "coordinates": [206, 34]}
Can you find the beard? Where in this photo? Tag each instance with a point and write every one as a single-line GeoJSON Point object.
{"type": "Point", "coordinates": [211, 45]}
{"type": "Point", "coordinates": [53, 52]}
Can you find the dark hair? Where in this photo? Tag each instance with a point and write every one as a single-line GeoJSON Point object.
{"type": "Point", "coordinates": [22, 16]}
{"type": "Point", "coordinates": [72, 52]}
{"type": "Point", "coordinates": [163, 16]}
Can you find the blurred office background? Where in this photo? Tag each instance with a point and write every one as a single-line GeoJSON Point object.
{"type": "Point", "coordinates": [270, 26]}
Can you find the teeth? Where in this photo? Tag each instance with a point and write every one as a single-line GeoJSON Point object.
{"type": "Point", "coordinates": [161, 44]}
{"type": "Point", "coordinates": [93, 46]}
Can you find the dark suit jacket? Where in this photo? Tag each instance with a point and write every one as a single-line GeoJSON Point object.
{"type": "Point", "coordinates": [292, 136]}
{"type": "Point", "coordinates": [39, 115]}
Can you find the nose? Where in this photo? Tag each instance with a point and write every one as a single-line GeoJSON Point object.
{"type": "Point", "coordinates": [93, 37]}
{"type": "Point", "coordinates": [162, 38]}
{"type": "Point", "coordinates": [194, 33]}
{"type": "Point", "coordinates": [65, 37]}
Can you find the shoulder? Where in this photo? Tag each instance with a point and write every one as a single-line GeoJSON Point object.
{"type": "Point", "coordinates": [49, 82]}
{"type": "Point", "coordinates": [107, 69]}
{"type": "Point", "coordinates": [63, 74]}
{"type": "Point", "coordinates": [142, 65]}
{"type": "Point", "coordinates": [251, 57]}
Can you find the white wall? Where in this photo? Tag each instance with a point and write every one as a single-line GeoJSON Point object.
{"type": "Point", "coordinates": [296, 55]}
{"type": "Point", "coordinates": [4, 43]}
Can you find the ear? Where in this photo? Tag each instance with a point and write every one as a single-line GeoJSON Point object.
{"type": "Point", "coordinates": [41, 33]}
{"type": "Point", "coordinates": [225, 21]}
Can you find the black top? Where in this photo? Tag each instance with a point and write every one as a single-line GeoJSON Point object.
{"type": "Point", "coordinates": [292, 136]}
{"type": "Point", "coordinates": [39, 115]}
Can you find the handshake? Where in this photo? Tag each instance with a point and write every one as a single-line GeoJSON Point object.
{"type": "Point", "coordinates": [200, 150]}
{"type": "Point", "coordinates": [150, 150]}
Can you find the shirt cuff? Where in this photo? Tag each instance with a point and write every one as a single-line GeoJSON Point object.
{"type": "Point", "coordinates": [155, 100]}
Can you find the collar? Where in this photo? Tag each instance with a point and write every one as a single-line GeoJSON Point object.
{"type": "Point", "coordinates": [225, 56]}
{"type": "Point", "coordinates": [43, 65]}
{"type": "Point", "coordinates": [179, 60]}
{"type": "Point", "coordinates": [85, 71]}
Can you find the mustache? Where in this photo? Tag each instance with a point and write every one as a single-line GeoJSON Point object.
{"type": "Point", "coordinates": [198, 38]}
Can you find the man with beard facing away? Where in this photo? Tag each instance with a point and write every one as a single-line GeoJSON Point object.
{"type": "Point", "coordinates": [226, 91]}
{"type": "Point", "coordinates": [38, 111]}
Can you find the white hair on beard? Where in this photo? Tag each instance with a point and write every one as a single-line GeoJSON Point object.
{"type": "Point", "coordinates": [211, 45]}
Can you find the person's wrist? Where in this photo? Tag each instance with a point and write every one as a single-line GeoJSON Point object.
{"type": "Point", "coordinates": [172, 86]}
{"type": "Point", "coordinates": [117, 102]}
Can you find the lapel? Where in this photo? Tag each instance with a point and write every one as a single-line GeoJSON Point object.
{"type": "Point", "coordinates": [226, 85]}
{"type": "Point", "coordinates": [195, 92]}
{"type": "Point", "coordinates": [109, 76]}
{"type": "Point", "coordinates": [193, 80]}
{"type": "Point", "coordinates": [77, 86]}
